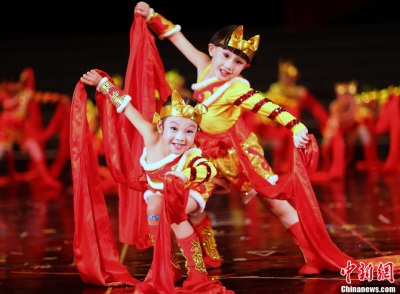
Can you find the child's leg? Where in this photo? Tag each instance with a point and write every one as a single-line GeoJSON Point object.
{"type": "Point", "coordinates": [288, 216]}
{"type": "Point", "coordinates": [197, 280]}
{"type": "Point", "coordinates": [154, 203]}
{"type": "Point", "coordinates": [6, 151]}
{"type": "Point", "coordinates": [185, 229]}
{"type": "Point", "coordinates": [338, 161]}
{"type": "Point", "coordinates": [202, 226]}
{"type": "Point", "coordinates": [282, 209]}
{"type": "Point", "coordinates": [190, 247]}
{"type": "Point", "coordinates": [36, 154]}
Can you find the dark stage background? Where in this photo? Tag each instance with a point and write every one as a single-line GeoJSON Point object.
{"type": "Point", "coordinates": [329, 41]}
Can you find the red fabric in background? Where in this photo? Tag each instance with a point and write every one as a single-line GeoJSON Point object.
{"type": "Point", "coordinates": [329, 256]}
{"type": "Point", "coordinates": [389, 122]}
{"type": "Point", "coordinates": [159, 280]}
{"type": "Point", "coordinates": [96, 254]}
{"type": "Point", "coordinates": [299, 188]}
{"type": "Point", "coordinates": [144, 74]}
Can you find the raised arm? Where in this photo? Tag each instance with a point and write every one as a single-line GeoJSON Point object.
{"type": "Point", "coordinates": [121, 102]}
{"type": "Point", "coordinates": [166, 29]}
{"type": "Point", "coordinates": [199, 59]}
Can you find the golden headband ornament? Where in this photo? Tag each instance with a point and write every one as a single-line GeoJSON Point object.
{"type": "Point", "coordinates": [248, 47]}
{"type": "Point", "coordinates": [288, 68]}
{"type": "Point", "coordinates": [342, 88]}
{"type": "Point", "coordinates": [179, 108]}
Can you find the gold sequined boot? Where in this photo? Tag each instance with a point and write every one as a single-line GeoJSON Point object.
{"type": "Point", "coordinates": [208, 245]}
{"type": "Point", "coordinates": [197, 280]}
{"type": "Point", "coordinates": [191, 251]}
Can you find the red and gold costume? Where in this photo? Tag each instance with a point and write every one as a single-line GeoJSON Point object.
{"type": "Point", "coordinates": [351, 116]}
{"type": "Point", "coordinates": [21, 123]}
{"type": "Point", "coordinates": [234, 151]}
{"type": "Point", "coordinates": [388, 121]}
{"type": "Point", "coordinates": [230, 146]}
{"type": "Point", "coordinates": [197, 169]}
{"type": "Point", "coordinates": [95, 251]}
{"type": "Point", "coordinates": [223, 123]}
{"type": "Point", "coordinates": [294, 98]}
{"type": "Point", "coordinates": [94, 247]}
{"type": "Point", "coordinates": [160, 25]}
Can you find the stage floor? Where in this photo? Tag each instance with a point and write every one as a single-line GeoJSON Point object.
{"type": "Point", "coordinates": [362, 215]}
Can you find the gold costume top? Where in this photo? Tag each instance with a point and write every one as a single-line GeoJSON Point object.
{"type": "Point", "coordinates": [224, 100]}
{"type": "Point", "coordinates": [196, 168]}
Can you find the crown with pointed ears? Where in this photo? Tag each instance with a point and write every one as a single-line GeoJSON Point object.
{"type": "Point", "coordinates": [235, 40]}
{"type": "Point", "coordinates": [288, 68]}
{"type": "Point", "coordinates": [349, 87]}
{"type": "Point", "coordinates": [178, 107]}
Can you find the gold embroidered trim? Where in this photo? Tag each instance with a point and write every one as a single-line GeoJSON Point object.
{"type": "Point", "coordinates": [152, 239]}
{"type": "Point", "coordinates": [174, 259]}
{"type": "Point", "coordinates": [209, 242]}
{"type": "Point", "coordinates": [159, 24]}
{"type": "Point", "coordinates": [198, 257]}
{"type": "Point", "coordinates": [115, 97]}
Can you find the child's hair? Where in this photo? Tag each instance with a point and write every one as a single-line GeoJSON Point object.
{"type": "Point", "coordinates": [225, 33]}
{"type": "Point", "coordinates": [188, 101]}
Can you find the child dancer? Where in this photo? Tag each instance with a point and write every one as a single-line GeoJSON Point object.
{"type": "Point", "coordinates": [225, 137]}
{"type": "Point", "coordinates": [348, 120]}
{"type": "Point", "coordinates": [170, 150]}
{"type": "Point", "coordinates": [287, 93]}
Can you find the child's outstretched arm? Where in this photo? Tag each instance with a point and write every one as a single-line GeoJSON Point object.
{"type": "Point", "coordinates": [250, 99]}
{"type": "Point", "coordinates": [199, 59]}
{"type": "Point", "coordinates": [146, 129]}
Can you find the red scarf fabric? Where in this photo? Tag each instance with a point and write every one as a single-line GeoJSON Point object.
{"type": "Point", "coordinates": [96, 254]}
{"type": "Point", "coordinates": [159, 280]}
{"type": "Point", "coordinates": [389, 122]}
{"type": "Point", "coordinates": [299, 188]}
{"type": "Point", "coordinates": [144, 75]}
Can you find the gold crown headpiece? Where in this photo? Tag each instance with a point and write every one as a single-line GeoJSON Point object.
{"type": "Point", "coordinates": [288, 68]}
{"type": "Point", "coordinates": [248, 47]}
{"type": "Point", "coordinates": [179, 108]}
{"type": "Point", "coordinates": [342, 88]}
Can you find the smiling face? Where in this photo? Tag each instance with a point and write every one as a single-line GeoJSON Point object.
{"type": "Point", "coordinates": [225, 64]}
{"type": "Point", "coordinates": [178, 134]}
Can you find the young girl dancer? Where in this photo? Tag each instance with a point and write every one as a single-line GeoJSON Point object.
{"type": "Point", "coordinates": [170, 150]}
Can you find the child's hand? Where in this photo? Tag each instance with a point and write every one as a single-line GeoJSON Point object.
{"type": "Point", "coordinates": [301, 139]}
{"type": "Point", "coordinates": [179, 175]}
{"type": "Point", "coordinates": [91, 78]}
{"type": "Point", "coordinates": [143, 9]}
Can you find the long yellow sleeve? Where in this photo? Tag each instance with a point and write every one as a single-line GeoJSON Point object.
{"type": "Point", "coordinates": [240, 94]}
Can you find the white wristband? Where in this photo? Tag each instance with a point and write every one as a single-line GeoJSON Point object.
{"type": "Point", "coordinates": [101, 83]}
{"type": "Point", "coordinates": [150, 14]}
{"type": "Point", "coordinates": [124, 104]}
{"type": "Point", "coordinates": [171, 32]}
